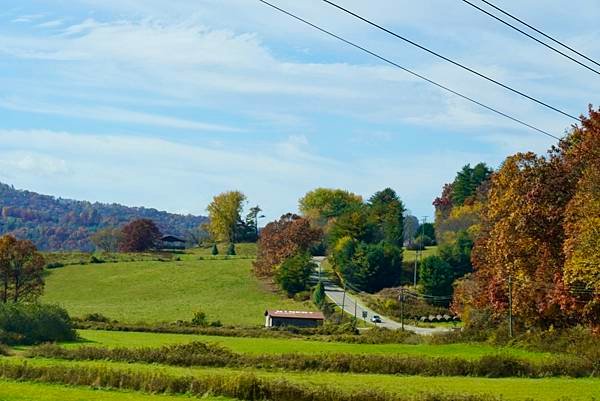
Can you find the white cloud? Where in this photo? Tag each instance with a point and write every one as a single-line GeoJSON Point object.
{"type": "Point", "coordinates": [113, 114]}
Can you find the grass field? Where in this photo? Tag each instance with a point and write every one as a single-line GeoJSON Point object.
{"type": "Point", "coordinates": [19, 391]}
{"type": "Point", "coordinates": [153, 291]}
{"type": "Point", "coordinates": [513, 389]}
{"type": "Point", "coordinates": [281, 346]}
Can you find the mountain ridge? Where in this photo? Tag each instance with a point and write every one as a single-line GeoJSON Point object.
{"type": "Point", "coordinates": [59, 224]}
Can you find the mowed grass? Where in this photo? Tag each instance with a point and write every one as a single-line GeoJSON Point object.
{"type": "Point", "coordinates": [284, 345]}
{"type": "Point", "coordinates": [26, 391]}
{"type": "Point", "coordinates": [547, 389]}
{"type": "Point", "coordinates": [154, 291]}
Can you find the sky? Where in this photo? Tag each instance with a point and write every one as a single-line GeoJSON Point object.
{"type": "Point", "coordinates": [166, 103]}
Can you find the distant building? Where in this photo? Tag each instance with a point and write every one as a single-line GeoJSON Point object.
{"type": "Point", "coordinates": [171, 242]}
{"type": "Point", "coordinates": [277, 318]}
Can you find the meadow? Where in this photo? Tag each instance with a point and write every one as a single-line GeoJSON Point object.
{"type": "Point", "coordinates": [155, 291]}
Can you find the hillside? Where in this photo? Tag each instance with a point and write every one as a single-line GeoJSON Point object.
{"type": "Point", "coordinates": [55, 224]}
{"type": "Point", "coordinates": [166, 291]}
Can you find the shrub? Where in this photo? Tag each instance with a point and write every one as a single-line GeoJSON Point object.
{"type": "Point", "coordinates": [199, 319]}
{"type": "Point", "coordinates": [96, 260]}
{"type": "Point", "coordinates": [215, 250]}
{"type": "Point", "coordinates": [4, 350]}
{"type": "Point", "coordinates": [55, 265]}
{"type": "Point", "coordinates": [34, 323]}
{"type": "Point", "coordinates": [96, 317]}
{"type": "Point", "coordinates": [231, 249]}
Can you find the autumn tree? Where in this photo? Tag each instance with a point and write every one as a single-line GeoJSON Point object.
{"type": "Point", "coordinates": [139, 236]}
{"type": "Point", "coordinates": [281, 239]}
{"type": "Point", "coordinates": [322, 205]}
{"type": "Point", "coordinates": [224, 213]}
{"type": "Point", "coordinates": [107, 239]}
{"type": "Point", "coordinates": [21, 270]}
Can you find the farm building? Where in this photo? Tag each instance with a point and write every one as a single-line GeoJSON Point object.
{"type": "Point", "coordinates": [277, 318]}
{"type": "Point", "coordinates": [171, 242]}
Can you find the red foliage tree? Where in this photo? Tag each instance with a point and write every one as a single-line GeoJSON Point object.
{"type": "Point", "coordinates": [139, 236]}
{"type": "Point", "coordinates": [281, 239]}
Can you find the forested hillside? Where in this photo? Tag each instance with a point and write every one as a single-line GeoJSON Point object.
{"type": "Point", "coordinates": [63, 224]}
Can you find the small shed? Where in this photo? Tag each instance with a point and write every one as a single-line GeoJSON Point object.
{"type": "Point", "coordinates": [172, 242]}
{"type": "Point", "coordinates": [277, 318]}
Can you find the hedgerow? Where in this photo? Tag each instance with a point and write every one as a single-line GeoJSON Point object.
{"type": "Point", "coordinates": [210, 355]}
{"type": "Point", "coordinates": [241, 386]}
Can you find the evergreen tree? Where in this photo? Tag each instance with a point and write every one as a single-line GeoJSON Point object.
{"type": "Point", "coordinates": [318, 296]}
{"type": "Point", "coordinates": [215, 250]}
{"type": "Point", "coordinates": [231, 249]}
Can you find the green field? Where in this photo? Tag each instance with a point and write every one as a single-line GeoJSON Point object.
{"type": "Point", "coordinates": [281, 345]}
{"type": "Point", "coordinates": [154, 291]}
{"type": "Point", "coordinates": [19, 391]}
{"type": "Point", "coordinates": [513, 389]}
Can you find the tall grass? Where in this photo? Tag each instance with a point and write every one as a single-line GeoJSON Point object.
{"type": "Point", "coordinates": [208, 355]}
{"type": "Point", "coordinates": [241, 386]}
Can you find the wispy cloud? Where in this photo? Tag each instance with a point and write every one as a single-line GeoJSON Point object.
{"type": "Point", "coordinates": [112, 114]}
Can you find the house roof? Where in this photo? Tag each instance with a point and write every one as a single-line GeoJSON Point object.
{"type": "Point", "coordinates": [171, 238]}
{"type": "Point", "coordinates": [293, 314]}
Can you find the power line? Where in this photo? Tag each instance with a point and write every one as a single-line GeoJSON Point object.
{"type": "Point", "coordinates": [456, 63]}
{"type": "Point", "coordinates": [536, 30]}
{"type": "Point", "coordinates": [533, 37]}
{"type": "Point", "coordinates": [388, 61]}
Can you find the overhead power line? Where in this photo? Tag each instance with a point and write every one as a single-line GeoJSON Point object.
{"type": "Point", "coordinates": [533, 37]}
{"type": "Point", "coordinates": [456, 63]}
{"type": "Point", "coordinates": [415, 74]}
{"type": "Point", "coordinates": [540, 32]}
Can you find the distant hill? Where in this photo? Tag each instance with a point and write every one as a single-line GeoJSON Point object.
{"type": "Point", "coordinates": [55, 224]}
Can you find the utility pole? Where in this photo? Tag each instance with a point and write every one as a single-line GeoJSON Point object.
{"type": "Point", "coordinates": [510, 307]}
{"type": "Point", "coordinates": [344, 302]}
{"type": "Point", "coordinates": [402, 307]}
{"type": "Point", "coordinates": [419, 251]}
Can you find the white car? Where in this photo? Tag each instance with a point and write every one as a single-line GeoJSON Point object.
{"type": "Point", "coordinates": [376, 319]}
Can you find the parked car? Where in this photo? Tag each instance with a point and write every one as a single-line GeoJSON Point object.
{"type": "Point", "coordinates": [376, 319]}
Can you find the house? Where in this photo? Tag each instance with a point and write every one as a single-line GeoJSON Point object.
{"type": "Point", "coordinates": [171, 242]}
{"type": "Point", "coordinates": [277, 318]}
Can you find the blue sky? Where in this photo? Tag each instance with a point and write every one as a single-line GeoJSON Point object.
{"type": "Point", "coordinates": [164, 104]}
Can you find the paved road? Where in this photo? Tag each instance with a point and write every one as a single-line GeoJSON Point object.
{"type": "Point", "coordinates": [354, 307]}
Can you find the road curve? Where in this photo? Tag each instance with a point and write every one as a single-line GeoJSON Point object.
{"type": "Point", "coordinates": [349, 303]}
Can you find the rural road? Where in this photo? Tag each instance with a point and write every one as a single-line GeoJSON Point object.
{"type": "Point", "coordinates": [351, 305]}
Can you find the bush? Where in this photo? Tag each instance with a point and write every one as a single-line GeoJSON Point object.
{"type": "Point", "coordinates": [231, 249]}
{"type": "Point", "coordinates": [26, 324]}
{"type": "Point", "coordinates": [4, 350]}
{"type": "Point", "coordinates": [199, 319]}
{"type": "Point", "coordinates": [55, 265]}
{"type": "Point", "coordinates": [215, 250]}
{"type": "Point", "coordinates": [96, 260]}
{"type": "Point", "coordinates": [96, 317]}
